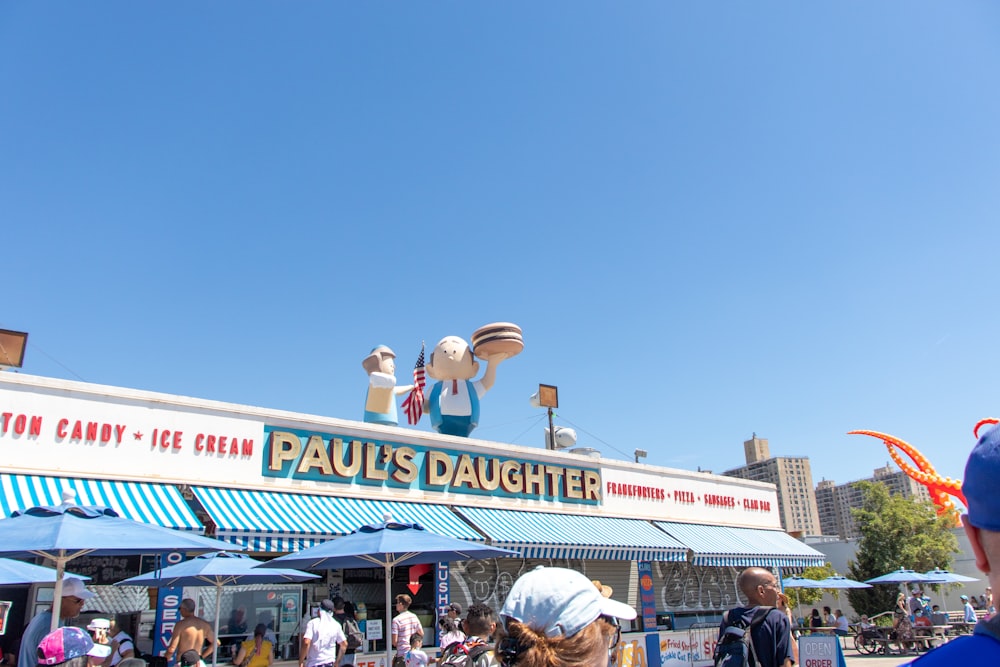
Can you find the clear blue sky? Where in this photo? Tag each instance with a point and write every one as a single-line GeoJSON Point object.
{"type": "Point", "coordinates": [709, 219]}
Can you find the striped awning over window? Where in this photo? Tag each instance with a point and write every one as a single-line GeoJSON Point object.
{"type": "Point", "coordinates": [546, 535]}
{"type": "Point", "coordinates": [742, 547]}
{"type": "Point", "coordinates": [268, 521]}
{"type": "Point", "coordinates": [156, 504]}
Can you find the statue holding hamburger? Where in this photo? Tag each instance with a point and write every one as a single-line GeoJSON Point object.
{"type": "Point", "coordinates": [453, 402]}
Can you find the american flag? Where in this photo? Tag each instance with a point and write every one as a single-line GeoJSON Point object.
{"type": "Point", "coordinates": [414, 403]}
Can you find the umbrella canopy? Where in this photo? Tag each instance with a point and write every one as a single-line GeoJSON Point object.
{"type": "Point", "coordinates": [795, 581]}
{"type": "Point", "coordinates": [69, 531]}
{"type": "Point", "coordinates": [14, 572]}
{"type": "Point", "coordinates": [837, 582]}
{"type": "Point", "coordinates": [217, 569]}
{"type": "Point", "coordinates": [902, 576]}
{"type": "Point", "coordinates": [386, 545]}
{"type": "Point", "coordinates": [945, 577]}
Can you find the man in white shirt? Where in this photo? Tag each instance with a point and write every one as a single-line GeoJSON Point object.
{"type": "Point", "coordinates": [323, 642]}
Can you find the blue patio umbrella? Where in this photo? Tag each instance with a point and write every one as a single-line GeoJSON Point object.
{"type": "Point", "coordinates": [217, 569]}
{"type": "Point", "coordinates": [796, 581]}
{"type": "Point", "coordinates": [946, 577]}
{"type": "Point", "coordinates": [15, 572]}
{"type": "Point", "coordinates": [67, 531]}
{"type": "Point", "coordinates": [836, 583]}
{"type": "Point", "coordinates": [839, 583]}
{"type": "Point", "coordinates": [902, 576]}
{"type": "Point", "coordinates": [387, 545]}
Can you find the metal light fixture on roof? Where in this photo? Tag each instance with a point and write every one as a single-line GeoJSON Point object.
{"type": "Point", "coordinates": [547, 396]}
{"type": "Point", "coordinates": [640, 454]}
{"type": "Point", "coordinates": [12, 344]}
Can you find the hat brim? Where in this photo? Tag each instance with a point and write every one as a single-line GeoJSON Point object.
{"type": "Point", "coordinates": [83, 594]}
{"type": "Point", "coordinates": [100, 651]}
{"type": "Point", "coordinates": [617, 609]}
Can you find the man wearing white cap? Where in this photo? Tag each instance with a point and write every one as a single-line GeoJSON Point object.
{"type": "Point", "coordinates": [74, 594]}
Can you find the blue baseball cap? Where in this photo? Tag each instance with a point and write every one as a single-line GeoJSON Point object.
{"type": "Point", "coordinates": [979, 487]}
{"type": "Point", "coordinates": [68, 643]}
{"type": "Point", "coordinates": [556, 601]}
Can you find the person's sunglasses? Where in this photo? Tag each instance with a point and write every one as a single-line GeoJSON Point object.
{"type": "Point", "coordinates": [76, 600]}
{"type": "Point", "coordinates": [615, 638]}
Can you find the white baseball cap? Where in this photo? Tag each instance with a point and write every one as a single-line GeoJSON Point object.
{"type": "Point", "coordinates": [557, 601]}
{"type": "Point", "coordinates": [73, 587]}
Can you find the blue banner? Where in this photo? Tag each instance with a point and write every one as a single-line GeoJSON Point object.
{"type": "Point", "coordinates": [168, 609]}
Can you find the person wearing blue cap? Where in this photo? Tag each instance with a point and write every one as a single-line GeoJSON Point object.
{"type": "Point", "coordinates": [968, 611]}
{"type": "Point", "coordinates": [556, 616]}
{"type": "Point", "coordinates": [982, 526]}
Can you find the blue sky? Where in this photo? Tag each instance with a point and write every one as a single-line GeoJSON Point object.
{"type": "Point", "coordinates": [709, 219]}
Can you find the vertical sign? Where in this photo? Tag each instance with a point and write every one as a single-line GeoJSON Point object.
{"type": "Point", "coordinates": [290, 617]}
{"type": "Point", "coordinates": [168, 606]}
{"type": "Point", "coordinates": [647, 597]}
{"type": "Point", "coordinates": [442, 593]}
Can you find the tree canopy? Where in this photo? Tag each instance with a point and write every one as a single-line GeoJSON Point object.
{"type": "Point", "coordinates": [895, 532]}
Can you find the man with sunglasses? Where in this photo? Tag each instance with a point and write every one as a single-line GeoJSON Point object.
{"type": "Point", "coordinates": [74, 595]}
{"type": "Point", "coordinates": [767, 616]}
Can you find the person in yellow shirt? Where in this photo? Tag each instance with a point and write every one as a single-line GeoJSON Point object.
{"type": "Point", "coordinates": [256, 652]}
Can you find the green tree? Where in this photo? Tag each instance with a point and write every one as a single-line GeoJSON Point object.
{"type": "Point", "coordinates": [895, 532]}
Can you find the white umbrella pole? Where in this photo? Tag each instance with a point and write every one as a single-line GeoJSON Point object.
{"type": "Point", "coordinates": [57, 594]}
{"type": "Point", "coordinates": [215, 647]}
{"type": "Point", "coordinates": [387, 632]}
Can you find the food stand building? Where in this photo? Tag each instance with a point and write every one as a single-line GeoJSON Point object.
{"type": "Point", "coordinates": [272, 481]}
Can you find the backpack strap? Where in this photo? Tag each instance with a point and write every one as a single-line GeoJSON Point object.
{"type": "Point", "coordinates": [759, 616]}
{"type": "Point", "coordinates": [478, 653]}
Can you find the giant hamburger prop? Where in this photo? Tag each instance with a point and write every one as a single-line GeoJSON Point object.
{"type": "Point", "coordinates": [495, 338]}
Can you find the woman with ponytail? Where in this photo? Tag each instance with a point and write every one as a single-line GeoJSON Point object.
{"type": "Point", "coordinates": [256, 652]}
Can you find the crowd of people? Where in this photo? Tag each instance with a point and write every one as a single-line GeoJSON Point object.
{"type": "Point", "coordinates": [552, 617]}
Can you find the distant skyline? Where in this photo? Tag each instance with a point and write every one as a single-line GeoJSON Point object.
{"type": "Point", "coordinates": [708, 220]}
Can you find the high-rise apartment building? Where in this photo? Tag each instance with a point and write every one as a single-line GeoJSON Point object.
{"type": "Point", "coordinates": [792, 475]}
{"type": "Point", "coordinates": [835, 502]}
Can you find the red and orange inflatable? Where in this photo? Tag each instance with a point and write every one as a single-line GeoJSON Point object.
{"type": "Point", "coordinates": [940, 488]}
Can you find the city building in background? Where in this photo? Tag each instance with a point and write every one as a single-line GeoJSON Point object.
{"type": "Point", "coordinates": [792, 476]}
{"type": "Point", "coordinates": [835, 502]}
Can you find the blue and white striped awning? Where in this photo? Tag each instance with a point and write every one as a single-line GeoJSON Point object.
{"type": "Point", "coordinates": [156, 504]}
{"type": "Point", "coordinates": [545, 535]}
{"type": "Point", "coordinates": [269, 521]}
{"type": "Point", "coordinates": [742, 547]}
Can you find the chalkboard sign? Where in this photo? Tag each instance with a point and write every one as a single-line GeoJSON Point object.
{"type": "Point", "coordinates": [106, 570]}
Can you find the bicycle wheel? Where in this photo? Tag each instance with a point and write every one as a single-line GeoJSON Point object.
{"type": "Point", "coordinates": [864, 645]}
